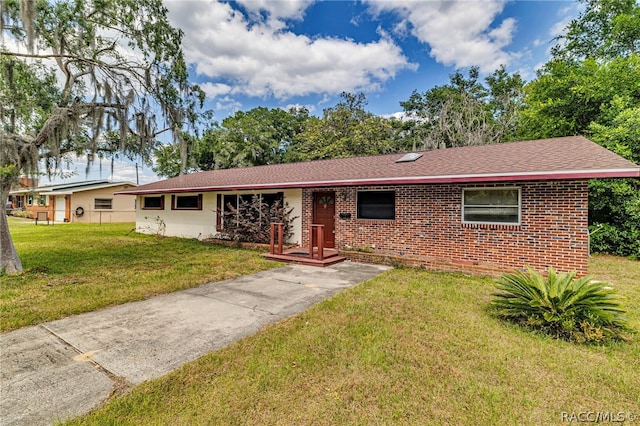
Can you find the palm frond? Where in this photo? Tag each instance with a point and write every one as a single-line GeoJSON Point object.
{"type": "Point", "coordinates": [580, 309]}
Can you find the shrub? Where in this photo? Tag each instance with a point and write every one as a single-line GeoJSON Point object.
{"type": "Point", "coordinates": [579, 310]}
{"type": "Point", "coordinates": [251, 221]}
{"type": "Point", "coordinates": [23, 213]}
{"type": "Point", "coordinates": [614, 216]}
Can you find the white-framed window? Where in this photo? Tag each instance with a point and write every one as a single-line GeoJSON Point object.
{"type": "Point", "coordinates": [491, 205]}
{"type": "Point", "coordinates": [30, 199]}
{"type": "Point", "coordinates": [103, 203]}
{"type": "Point", "coordinates": [42, 200]}
{"type": "Point", "coordinates": [380, 205]}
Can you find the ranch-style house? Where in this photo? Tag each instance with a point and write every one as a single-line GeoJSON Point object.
{"type": "Point", "coordinates": [490, 208]}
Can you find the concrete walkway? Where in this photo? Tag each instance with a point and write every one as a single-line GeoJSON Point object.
{"type": "Point", "coordinates": [65, 368]}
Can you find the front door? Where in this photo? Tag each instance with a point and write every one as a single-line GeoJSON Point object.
{"type": "Point", "coordinates": [324, 211]}
{"type": "Point", "coordinates": [60, 212]}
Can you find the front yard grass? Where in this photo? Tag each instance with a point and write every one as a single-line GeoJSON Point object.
{"type": "Point", "coordinates": [75, 268]}
{"type": "Point", "coordinates": [408, 347]}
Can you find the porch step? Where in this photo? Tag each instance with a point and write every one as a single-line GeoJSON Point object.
{"type": "Point", "coordinates": [301, 255]}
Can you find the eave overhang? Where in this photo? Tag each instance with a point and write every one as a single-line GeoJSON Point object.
{"type": "Point", "coordinates": [407, 180]}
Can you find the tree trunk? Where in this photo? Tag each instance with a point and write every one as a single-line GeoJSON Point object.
{"type": "Point", "coordinates": [9, 259]}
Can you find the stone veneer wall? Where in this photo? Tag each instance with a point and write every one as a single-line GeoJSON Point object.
{"type": "Point", "coordinates": [428, 228]}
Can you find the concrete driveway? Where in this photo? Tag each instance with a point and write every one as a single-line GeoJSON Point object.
{"type": "Point", "coordinates": [65, 368]}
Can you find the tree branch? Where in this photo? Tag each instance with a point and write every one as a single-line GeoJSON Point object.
{"type": "Point", "coordinates": [60, 117]}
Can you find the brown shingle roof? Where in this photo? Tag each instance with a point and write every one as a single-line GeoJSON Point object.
{"type": "Point", "coordinates": [573, 157]}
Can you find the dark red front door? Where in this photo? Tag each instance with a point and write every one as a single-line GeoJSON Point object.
{"type": "Point", "coordinates": [324, 210]}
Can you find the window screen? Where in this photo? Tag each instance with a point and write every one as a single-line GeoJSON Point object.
{"type": "Point", "coordinates": [103, 204]}
{"type": "Point", "coordinates": [491, 205]}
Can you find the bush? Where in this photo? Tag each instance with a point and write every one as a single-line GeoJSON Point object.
{"type": "Point", "coordinates": [251, 221]}
{"type": "Point", "coordinates": [23, 213]}
{"type": "Point", "coordinates": [614, 217]}
{"type": "Point", "coordinates": [580, 310]}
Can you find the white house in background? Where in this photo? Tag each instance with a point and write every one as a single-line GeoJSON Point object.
{"type": "Point", "coordinates": [83, 202]}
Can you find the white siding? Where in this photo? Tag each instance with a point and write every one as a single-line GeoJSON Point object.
{"type": "Point", "coordinates": [294, 198]}
{"type": "Point", "coordinates": [202, 223]}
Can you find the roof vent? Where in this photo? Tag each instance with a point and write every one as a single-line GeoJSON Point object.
{"type": "Point", "coordinates": [407, 158]}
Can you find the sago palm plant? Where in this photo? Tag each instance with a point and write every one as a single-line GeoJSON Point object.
{"type": "Point", "coordinates": [581, 310]}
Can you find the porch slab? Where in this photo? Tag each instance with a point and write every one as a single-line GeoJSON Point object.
{"type": "Point", "coordinates": [300, 255]}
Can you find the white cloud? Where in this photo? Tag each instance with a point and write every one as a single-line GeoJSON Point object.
{"type": "Point", "coordinates": [227, 103]}
{"type": "Point", "coordinates": [559, 27]}
{"type": "Point", "coordinates": [258, 57]}
{"type": "Point", "coordinates": [214, 90]}
{"type": "Point", "coordinates": [287, 9]}
{"type": "Point", "coordinates": [539, 66]}
{"type": "Point", "coordinates": [558, 30]}
{"type": "Point", "coordinates": [399, 115]}
{"type": "Point", "coordinates": [459, 33]}
{"type": "Point", "coordinates": [401, 29]}
{"type": "Point", "coordinates": [74, 169]}
{"type": "Point", "coordinates": [310, 108]}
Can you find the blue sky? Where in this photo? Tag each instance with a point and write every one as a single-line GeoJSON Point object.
{"type": "Point", "coordinates": [278, 54]}
{"type": "Point", "coordinates": [250, 53]}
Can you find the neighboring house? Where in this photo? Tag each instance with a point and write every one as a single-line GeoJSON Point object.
{"type": "Point", "coordinates": [495, 207]}
{"type": "Point", "coordinates": [85, 202]}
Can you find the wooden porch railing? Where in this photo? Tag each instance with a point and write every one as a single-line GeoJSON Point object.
{"type": "Point", "coordinates": [319, 234]}
{"type": "Point", "coordinates": [276, 231]}
{"type": "Point", "coordinates": [316, 233]}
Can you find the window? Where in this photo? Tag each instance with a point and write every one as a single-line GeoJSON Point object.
{"type": "Point", "coordinates": [272, 199]}
{"type": "Point", "coordinates": [245, 199]}
{"type": "Point", "coordinates": [186, 202]}
{"type": "Point", "coordinates": [43, 200]}
{"type": "Point", "coordinates": [30, 199]}
{"type": "Point", "coordinates": [103, 203]}
{"type": "Point", "coordinates": [376, 205]}
{"type": "Point", "coordinates": [491, 205]}
{"type": "Point", "coordinates": [153, 203]}
{"type": "Point", "coordinates": [225, 203]}
{"type": "Point", "coordinates": [229, 202]}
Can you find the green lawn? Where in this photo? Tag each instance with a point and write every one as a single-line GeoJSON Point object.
{"type": "Point", "coordinates": [75, 268]}
{"type": "Point", "coordinates": [408, 347]}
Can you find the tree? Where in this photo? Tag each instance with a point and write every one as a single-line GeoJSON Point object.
{"type": "Point", "coordinates": [614, 208]}
{"type": "Point", "coordinates": [257, 137]}
{"type": "Point", "coordinates": [344, 130]}
{"type": "Point", "coordinates": [169, 161]}
{"type": "Point", "coordinates": [465, 111]}
{"type": "Point", "coordinates": [591, 86]}
{"type": "Point", "coordinates": [567, 96]}
{"type": "Point", "coordinates": [607, 29]}
{"type": "Point", "coordinates": [87, 77]}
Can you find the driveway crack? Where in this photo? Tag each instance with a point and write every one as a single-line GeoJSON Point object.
{"type": "Point", "coordinates": [120, 384]}
{"type": "Point", "coordinates": [253, 308]}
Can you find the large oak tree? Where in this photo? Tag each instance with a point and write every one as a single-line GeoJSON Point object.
{"type": "Point", "coordinates": [466, 111]}
{"type": "Point", "coordinates": [86, 77]}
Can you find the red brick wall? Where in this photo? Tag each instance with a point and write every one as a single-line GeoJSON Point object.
{"type": "Point", "coordinates": [428, 227]}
